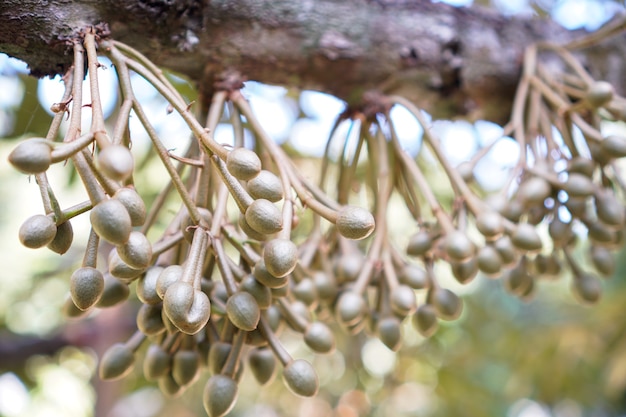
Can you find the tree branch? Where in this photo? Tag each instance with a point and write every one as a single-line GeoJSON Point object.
{"type": "Point", "coordinates": [450, 61]}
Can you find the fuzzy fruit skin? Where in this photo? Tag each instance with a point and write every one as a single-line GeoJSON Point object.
{"type": "Point", "coordinates": [134, 205]}
{"type": "Point", "coordinates": [243, 164]}
{"type": "Point", "coordinates": [116, 162]}
{"type": "Point", "coordinates": [111, 221]}
{"type": "Point", "coordinates": [220, 395]}
{"type": "Point", "coordinates": [136, 251]}
{"type": "Point", "coordinates": [355, 222]}
{"type": "Point", "coordinates": [300, 378]}
{"type": "Point", "coordinates": [62, 239]}
{"type": "Point", "coordinates": [243, 311]}
{"type": "Point", "coordinates": [264, 217]}
{"type": "Point", "coordinates": [280, 257]}
{"type": "Point", "coordinates": [116, 362]}
{"type": "Point", "coordinates": [31, 156]}
{"type": "Point", "coordinates": [266, 185]}
{"type": "Point", "coordinates": [86, 287]}
{"type": "Point", "coordinates": [37, 231]}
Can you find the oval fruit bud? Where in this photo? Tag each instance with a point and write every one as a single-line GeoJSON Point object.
{"type": "Point", "coordinates": [243, 311]}
{"type": "Point", "coordinates": [458, 246]}
{"type": "Point", "coordinates": [185, 366]}
{"type": "Point", "coordinates": [350, 308]}
{"type": "Point", "coordinates": [609, 209]}
{"type": "Point", "coordinates": [266, 185]}
{"type": "Point", "coordinates": [489, 224]}
{"type": "Point", "coordinates": [114, 292]}
{"type": "Point", "coordinates": [403, 300]}
{"type": "Point", "coordinates": [413, 276]}
{"type": "Point", "coordinates": [465, 271]}
{"type": "Point", "coordinates": [603, 260]}
{"type": "Point", "coordinates": [262, 275]}
{"type": "Point", "coordinates": [156, 363]}
{"type": "Point", "coordinates": [120, 269]}
{"type": "Point", "coordinates": [150, 319]}
{"type": "Point", "coordinates": [169, 387]}
{"type": "Point", "coordinates": [355, 222]}
{"type": "Point", "coordinates": [116, 362]}
{"type": "Point", "coordinates": [86, 287]}
{"type": "Point", "coordinates": [248, 230]}
{"type": "Point", "coordinates": [62, 239]}
{"type": "Point", "coordinates": [319, 337]}
{"type": "Point", "coordinates": [420, 243]}
{"type": "Point", "coordinates": [188, 309]}
{"type": "Point", "coordinates": [447, 304]}
{"type": "Point", "coordinates": [599, 93]}
{"type": "Point", "coordinates": [489, 261]}
{"type": "Point", "coordinates": [261, 293]}
{"type": "Point", "coordinates": [116, 162]}
{"type": "Point", "coordinates": [389, 332]}
{"type": "Point", "coordinates": [220, 395]}
{"type": "Point", "coordinates": [111, 221]}
{"type": "Point", "coordinates": [425, 320]}
{"type": "Point", "coordinates": [578, 185]}
{"type": "Point", "coordinates": [526, 238]}
{"type": "Point", "coordinates": [243, 164]}
{"type": "Point", "coordinates": [134, 205]}
{"type": "Point", "coordinates": [280, 257]}
{"type": "Point", "coordinates": [37, 231]}
{"type": "Point", "coordinates": [300, 378]}
{"type": "Point", "coordinates": [136, 252]}
{"type": "Point", "coordinates": [306, 291]}
{"type": "Point", "coordinates": [614, 146]}
{"type": "Point", "coordinates": [587, 288]}
{"type": "Point", "coordinates": [32, 156]}
{"type": "Point", "coordinates": [264, 217]}
{"type": "Point", "coordinates": [534, 191]}
{"type": "Point", "coordinates": [167, 277]}
{"type": "Point", "coordinates": [147, 286]}
{"type": "Point", "coordinates": [218, 353]}
{"type": "Point", "coordinates": [262, 363]}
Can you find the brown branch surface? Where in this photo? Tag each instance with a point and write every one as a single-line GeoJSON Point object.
{"type": "Point", "coordinates": [450, 61]}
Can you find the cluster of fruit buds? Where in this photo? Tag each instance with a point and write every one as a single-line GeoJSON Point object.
{"type": "Point", "coordinates": [223, 280]}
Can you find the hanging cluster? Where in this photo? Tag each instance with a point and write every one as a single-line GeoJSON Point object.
{"type": "Point", "coordinates": [227, 275]}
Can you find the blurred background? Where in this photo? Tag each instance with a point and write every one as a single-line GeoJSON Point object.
{"type": "Point", "coordinates": [545, 357]}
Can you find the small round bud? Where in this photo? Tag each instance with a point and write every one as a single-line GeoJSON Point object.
{"type": "Point", "coordinates": [355, 222]}
{"type": "Point", "coordinates": [280, 257]}
{"type": "Point", "coordinates": [599, 93]}
{"type": "Point", "coordinates": [300, 378]}
{"type": "Point", "coordinates": [447, 304]}
{"type": "Point", "coordinates": [425, 320]}
{"type": "Point", "coordinates": [220, 395]}
{"type": "Point", "coordinates": [114, 292]}
{"type": "Point", "coordinates": [264, 217]}
{"type": "Point", "coordinates": [111, 221]}
{"type": "Point", "coordinates": [136, 251]}
{"type": "Point", "coordinates": [150, 320]}
{"type": "Point", "coordinates": [32, 156]}
{"type": "Point", "coordinates": [526, 238]}
{"type": "Point", "coordinates": [266, 185]}
{"type": "Point", "coordinates": [390, 333]}
{"type": "Point", "coordinates": [350, 308]}
{"type": "Point", "coordinates": [185, 366]}
{"type": "Point", "coordinates": [134, 205]}
{"type": "Point", "coordinates": [188, 309]}
{"type": "Point", "coordinates": [587, 288]}
{"type": "Point", "coordinates": [116, 362]}
{"type": "Point", "coordinates": [86, 287]}
{"type": "Point", "coordinates": [37, 231]}
{"type": "Point", "coordinates": [243, 164]}
{"type": "Point", "coordinates": [262, 364]}
{"type": "Point", "coordinates": [116, 162]}
{"type": "Point", "coordinates": [458, 246]}
{"type": "Point", "coordinates": [403, 300]}
{"type": "Point", "coordinates": [319, 338]}
{"type": "Point", "coordinates": [419, 243]}
{"type": "Point", "coordinates": [243, 311]}
{"type": "Point", "coordinates": [120, 269]}
{"type": "Point", "coordinates": [156, 363]}
{"type": "Point", "coordinates": [62, 239]}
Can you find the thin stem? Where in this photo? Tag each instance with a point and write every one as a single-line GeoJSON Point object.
{"type": "Point", "coordinates": [283, 356]}
{"type": "Point", "coordinates": [90, 258]}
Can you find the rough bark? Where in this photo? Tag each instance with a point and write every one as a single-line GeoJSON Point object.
{"type": "Point", "coordinates": [449, 60]}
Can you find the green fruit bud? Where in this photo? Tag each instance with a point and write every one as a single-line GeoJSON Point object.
{"type": "Point", "coordinates": [506, 250]}
{"type": "Point", "coordinates": [414, 276]}
{"type": "Point", "coordinates": [264, 217]}
{"type": "Point", "coordinates": [134, 205]}
{"type": "Point", "coordinates": [355, 222]}
{"type": "Point", "coordinates": [465, 271]}
{"type": "Point", "coordinates": [188, 309]}
{"type": "Point", "coordinates": [220, 395]}
{"type": "Point", "coordinates": [578, 185]}
{"type": "Point", "coordinates": [609, 209]}
{"type": "Point", "coordinates": [280, 257]}
{"type": "Point", "coordinates": [243, 311]}
{"type": "Point", "coordinates": [262, 364]}
{"type": "Point", "coordinates": [262, 275]}
{"type": "Point", "coordinates": [300, 377]}
{"type": "Point", "coordinates": [116, 362]}
{"type": "Point", "coordinates": [526, 238]}
{"type": "Point", "coordinates": [390, 333]}
{"type": "Point", "coordinates": [156, 363]}
{"type": "Point", "coordinates": [534, 191]}
{"type": "Point", "coordinates": [62, 239]}
{"type": "Point", "coordinates": [218, 353]}
{"type": "Point", "coordinates": [319, 338]}
{"type": "Point", "coordinates": [603, 260]}
{"type": "Point", "coordinates": [425, 320]}
{"type": "Point", "coordinates": [599, 93]}
{"type": "Point", "coordinates": [490, 224]}
{"type": "Point", "coordinates": [560, 232]}
{"type": "Point", "coordinates": [517, 281]}
{"type": "Point", "coordinates": [260, 292]}
{"type": "Point", "coordinates": [167, 277]}
{"type": "Point", "coordinates": [169, 387]}
{"type": "Point", "coordinates": [114, 292]}
{"type": "Point", "coordinates": [249, 231]}
{"type": "Point", "coordinates": [120, 270]}
{"type": "Point", "coordinates": [116, 162]}
{"type": "Point", "coordinates": [147, 286]}
{"type": "Point", "coordinates": [150, 320]}
{"type": "Point", "coordinates": [306, 291]}
{"type": "Point", "coordinates": [419, 244]}
{"type": "Point", "coordinates": [447, 304]}
{"type": "Point", "coordinates": [350, 308]}
{"type": "Point", "coordinates": [111, 221]}
{"type": "Point", "coordinates": [37, 231]}
{"type": "Point", "coordinates": [266, 185]}
{"type": "Point", "coordinates": [403, 300]}
{"type": "Point", "coordinates": [489, 261]}
{"type": "Point", "coordinates": [587, 288]}
{"type": "Point", "coordinates": [325, 285]}
{"type": "Point", "coordinates": [136, 252]}
{"type": "Point", "coordinates": [458, 246]}
{"type": "Point", "coordinates": [185, 367]}
{"type": "Point", "coordinates": [243, 164]}
{"type": "Point", "coordinates": [86, 287]}
{"type": "Point", "coordinates": [32, 156]}
{"type": "Point", "coordinates": [348, 266]}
